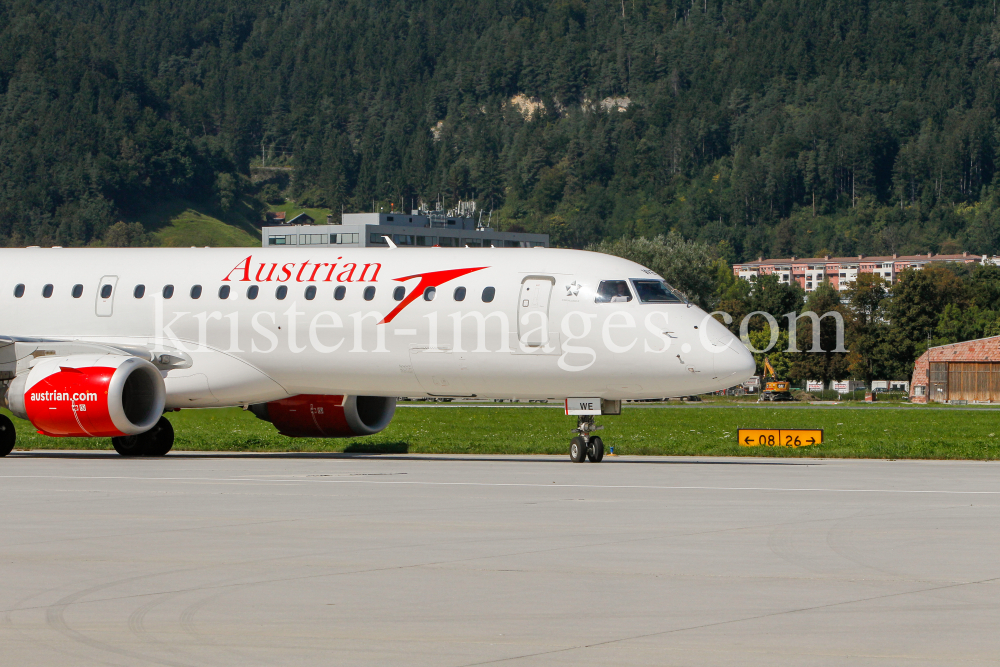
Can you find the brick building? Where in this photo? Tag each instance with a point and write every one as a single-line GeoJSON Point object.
{"type": "Point", "coordinates": [968, 371]}
{"type": "Point", "coordinates": [809, 272]}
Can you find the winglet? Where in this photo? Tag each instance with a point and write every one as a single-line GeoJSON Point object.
{"type": "Point", "coordinates": [389, 241]}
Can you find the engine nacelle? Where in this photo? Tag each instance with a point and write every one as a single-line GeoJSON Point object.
{"type": "Point", "coordinates": [318, 416]}
{"type": "Point", "coordinates": [89, 396]}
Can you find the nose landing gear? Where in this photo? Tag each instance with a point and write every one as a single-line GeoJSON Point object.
{"type": "Point", "coordinates": [586, 446]}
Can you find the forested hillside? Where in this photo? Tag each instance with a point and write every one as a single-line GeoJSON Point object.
{"type": "Point", "coordinates": [769, 127]}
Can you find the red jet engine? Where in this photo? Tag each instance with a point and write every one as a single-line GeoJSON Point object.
{"type": "Point", "coordinates": [89, 396]}
{"type": "Point", "coordinates": [318, 416]}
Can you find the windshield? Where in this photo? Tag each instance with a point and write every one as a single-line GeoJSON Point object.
{"type": "Point", "coordinates": [613, 291]}
{"type": "Point", "coordinates": [656, 291]}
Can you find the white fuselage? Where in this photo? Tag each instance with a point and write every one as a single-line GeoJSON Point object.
{"type": "Point", "coordinates": [546, 333]}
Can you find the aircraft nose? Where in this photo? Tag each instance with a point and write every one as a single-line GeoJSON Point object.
{"type": "Point", "coordinates": [739, 361]}
{"type": "Point", "coordinates": [746, 366]}
{"type": "Point", "coordinates": [732, 361]}
{"type": "Point", "coordinates": [736, 363]}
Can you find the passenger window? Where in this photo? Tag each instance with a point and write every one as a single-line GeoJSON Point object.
{"type": "Point", "coordinates": [488, 294]}
{"type": "Point", "coordinates": [196, 292]}
{"type": "Point", "coordinates": [369, 293]}
{"type": "Point", "coordinates": [47, 291]}
{"type": "Point", "coordinates": [224, 292]}
{"type": "Point", "coordinates": [19, 291]}
{"type": "Point", "coordinates": [655, 291]}
{"type": "Point", "coordinates": [310, 293]}
{"type": "Point", "coordinates": [252, 292]}
{"type": "Point", "coordinates": [340, 293]}
{"type": "Point", "coordinates": [77, 291]}
{"type": "Point", "coordinates": [459, 294]}
{"type": "Point", "coordinates": [106, 292]}
{"type": "Point", "coordinates": [430, 293]}
{"type": "Point", "coordinates": [168, 291]}
{"type": "Point", "coordinates": [138, 292]}
{"type": "Point", "coordinates": [281, 292]}
{"type": "Point", "coordinates": [399, 293]}
{"type": "Point", "coordinates": [613, 291]}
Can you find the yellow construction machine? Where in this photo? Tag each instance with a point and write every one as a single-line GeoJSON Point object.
{"type": "Point", "coordinates": [774, 389]}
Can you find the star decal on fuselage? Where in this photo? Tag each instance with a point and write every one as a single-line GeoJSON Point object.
{"type": "Point", "coordinates": [429, 279]}
{"type": "Point", "coordinates": [573, 289]}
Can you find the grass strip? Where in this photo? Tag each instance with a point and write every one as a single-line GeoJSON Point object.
{"type": "Point", "coordinates": [915, 433]}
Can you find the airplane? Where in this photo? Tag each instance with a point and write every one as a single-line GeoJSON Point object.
{"type": "Point", "coordinates": [320, 342]}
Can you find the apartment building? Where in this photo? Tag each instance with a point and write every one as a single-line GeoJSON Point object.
{"type": "Point", "coordinates": [809, 272]}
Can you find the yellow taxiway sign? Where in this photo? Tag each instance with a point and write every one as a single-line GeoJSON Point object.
{"type": "Point", "coordinates": [780, 437]}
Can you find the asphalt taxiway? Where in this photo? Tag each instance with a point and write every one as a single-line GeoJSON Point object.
{"type": "Point", "coordinates": [309, 559]}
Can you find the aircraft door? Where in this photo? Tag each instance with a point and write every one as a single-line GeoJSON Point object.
{"type": "Point", "coordinates": [533, 311]}
{"type": "Point", "coordinates": [106, 295]}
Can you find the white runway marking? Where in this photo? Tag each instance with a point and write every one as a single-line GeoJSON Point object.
{"type": "Point", "coordinates": [651, 487]}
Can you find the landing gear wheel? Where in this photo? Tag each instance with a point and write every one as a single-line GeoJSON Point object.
{"type": "Point", "coordinates": [596, 452]}
{"type": "Point", "coordinates": [577, 450]}
{"type": "Point", "coordinates": [127, 445]}
{"type": "Point", "coordinates": [158, 440]}
{"type": "Point", "coordinates": [8, 436]}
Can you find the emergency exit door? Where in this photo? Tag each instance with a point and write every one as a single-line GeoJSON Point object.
{"type": "Point", "coordinates": [533, 311]}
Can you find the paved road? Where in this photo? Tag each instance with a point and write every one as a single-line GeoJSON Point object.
{"type": "Point", "coordinates": [305, 559]}
{"type": "Point", "coordinates": [709, 406]}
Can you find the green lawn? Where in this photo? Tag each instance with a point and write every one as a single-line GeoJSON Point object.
{"type": "Point", "coordinates": [179, 224]}
{"type": "Point", "coordinates": [850, 432]}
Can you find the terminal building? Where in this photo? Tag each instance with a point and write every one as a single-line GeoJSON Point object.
{"type": "Point", "coordinates": [416, 229]}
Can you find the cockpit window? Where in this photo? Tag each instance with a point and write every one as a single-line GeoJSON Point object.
{"type": "Point", "coordinates": [656, 291]}
{"type": "Point", "coordinates": [613, 291]}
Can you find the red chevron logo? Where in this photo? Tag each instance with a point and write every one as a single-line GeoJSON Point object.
{"type": "Point", "coordinates": [430, 279]}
